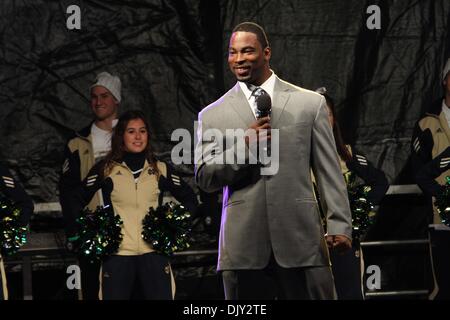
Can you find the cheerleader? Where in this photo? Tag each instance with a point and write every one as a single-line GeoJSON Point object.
{"type": "Point", "coordinates": [131, 181]}
{"type": "Point", "coordinates": [11, 190]}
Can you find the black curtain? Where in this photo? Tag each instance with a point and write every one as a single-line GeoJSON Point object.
{"type": "Point", "coordinates": [171, 58]}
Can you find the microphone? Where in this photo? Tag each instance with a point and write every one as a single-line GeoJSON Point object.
{"type": "Point", "coordinates": [263, 109]}
{"type": "Point", "coordinates": [264, 106]}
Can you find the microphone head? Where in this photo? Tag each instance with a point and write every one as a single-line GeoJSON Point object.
{"type": "Point", "coordinates": [264, 105]}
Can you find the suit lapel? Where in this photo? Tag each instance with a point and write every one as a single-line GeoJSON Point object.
{"type": "Point", "coordinates": [241, 106]}
{"type": "Point", "coordinates": [280, 98]}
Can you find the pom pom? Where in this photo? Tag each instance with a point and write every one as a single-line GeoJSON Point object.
{"type": "Point", "coordinates": [442, 203]}
{"type": "Point", "coordinates": [100, 233]}
{"type": "Point", "coordinates": [360, 206]}
{"type": "Point", "coordinates": [167, 228]}
{"type": "Point", "coordinates": [12, 234]}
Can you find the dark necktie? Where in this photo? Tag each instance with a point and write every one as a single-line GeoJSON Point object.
{"type": "Point", "coordinates": [256, 92]}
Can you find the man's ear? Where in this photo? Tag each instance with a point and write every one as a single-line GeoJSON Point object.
{"type": "Point", "coordinates": [267, 53]}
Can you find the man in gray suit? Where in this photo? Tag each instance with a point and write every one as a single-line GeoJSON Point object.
{"type": "Point", "coordinates": [271, 227]}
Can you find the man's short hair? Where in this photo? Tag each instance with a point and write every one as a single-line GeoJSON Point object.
{"type": "Point", "coordinates": [253, 28]}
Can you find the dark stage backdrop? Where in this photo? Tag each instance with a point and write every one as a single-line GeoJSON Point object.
{"type": "Point", "coordinates": [171, 57]}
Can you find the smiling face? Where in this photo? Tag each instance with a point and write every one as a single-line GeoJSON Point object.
{"type": "Point", "coordinates": [135, 138]}
{"type": "Point", "coordinates": [247, 59]}
{"type": "Point", "coordinates": [103, 103]}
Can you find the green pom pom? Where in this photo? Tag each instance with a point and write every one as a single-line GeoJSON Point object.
{"type": "Point", "coordinates": [12, 234]}
{"type": "Point", "coordinates": [442, 203]}
{"type": "Point", "coordinates": [360, 206]}
{"type": "Point", "coordinates": [167, 228]}
{"type": "Point", "coordinates": [100, 233]}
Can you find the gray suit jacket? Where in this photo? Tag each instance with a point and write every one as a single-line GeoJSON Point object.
{"type": "Point", "coordinates": [278, 212]}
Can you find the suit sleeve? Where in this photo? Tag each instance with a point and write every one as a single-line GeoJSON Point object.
{"type": "Point", "coordinates": [431, 170]}
{"type": "Point", "coordinates": [218, 161]}
{"type": "Point", "coordinates": [371, 176]}
{"type": "Point", "coordinates": [424, 169]}
{"type": "Point", "coordinates": [180, 190]}
{"type": "Point", "coordinates": [327, 170]}
{"type": "Point", "coordinates": [13, 191]}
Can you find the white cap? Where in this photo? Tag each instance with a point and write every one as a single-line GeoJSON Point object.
{"type": "Point", "coordinates": [112, 83]}
{"type": "Point", "coordinates": [321, 90]}
{"type": "Point", "coordinates": [446, 69]}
